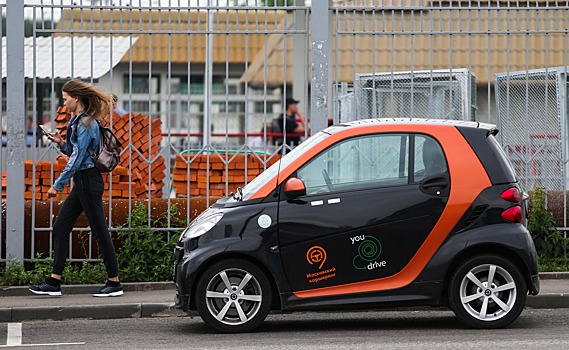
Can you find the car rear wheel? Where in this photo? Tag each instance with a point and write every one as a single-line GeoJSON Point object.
{"type": "Point", "coordinates": [487, 291]}
{"type": "Point", "coordinates": [233, 296]}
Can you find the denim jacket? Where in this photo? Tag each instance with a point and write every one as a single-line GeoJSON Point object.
{"type": "Point", "coordinates": [80, 136]}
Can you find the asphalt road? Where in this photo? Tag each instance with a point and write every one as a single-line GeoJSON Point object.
{"type": "Point", "coordinates": [535, 329]}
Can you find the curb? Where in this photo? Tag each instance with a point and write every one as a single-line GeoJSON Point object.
{"type": "Point", "coordinates": [554, 275]}
{"type": "Point", "coordinates": [94, 312]}
{"type": "Point", "coordinates": [105, 311]}
{"type": "Point", "coordinates": [18, 291]}
{"type": "Point", "coordinates": [548, 301]}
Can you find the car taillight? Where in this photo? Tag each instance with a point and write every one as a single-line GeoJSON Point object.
{"type": "Point", "coordinates": [513, 214]}
{"type": "Point", "coordinates": [512, 195]}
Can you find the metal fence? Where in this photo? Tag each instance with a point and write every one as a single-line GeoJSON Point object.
{"type": "Point", "coordinates": [532, 107]}
{"type": "Point", "coordinates": [199, 80]}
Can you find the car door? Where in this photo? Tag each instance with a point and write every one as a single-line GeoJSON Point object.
{"type": "Point", "coordinates": [369, 205]}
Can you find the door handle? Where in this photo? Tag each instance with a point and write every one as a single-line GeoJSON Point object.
{"type": "Point", "coordinates": [435, 185]}
{"type": "Point", "coordinates": [431, 184]}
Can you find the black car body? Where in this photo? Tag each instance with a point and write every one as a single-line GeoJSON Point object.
{"type": "Point", "coordinates": [372, 213]}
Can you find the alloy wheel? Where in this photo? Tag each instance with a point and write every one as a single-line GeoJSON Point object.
{"type": "Point", "coordinates": [233, 296]}
{"type": "Point", "coordinates": [488, 292]}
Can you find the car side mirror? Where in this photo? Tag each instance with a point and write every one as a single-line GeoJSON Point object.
{"type": "Point", "coordinates": [294, 187]}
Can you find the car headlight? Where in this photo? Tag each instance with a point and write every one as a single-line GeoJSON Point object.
{"type": "Point", "coordinates": [200, 227]}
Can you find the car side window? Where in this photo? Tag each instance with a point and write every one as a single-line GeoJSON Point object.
{"type": "Point", "coordinates": [429, 158]}
{"type": "Point", "coordinates": [359, 163]}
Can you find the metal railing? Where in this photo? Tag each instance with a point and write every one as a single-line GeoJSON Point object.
{"type": "Point", "coordinates": [213, 70]}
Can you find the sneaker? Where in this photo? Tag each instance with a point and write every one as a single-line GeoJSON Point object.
{"type": "Point", "coordinates": [111, 289]}
{"type": "Point", "coordinates": [46, 289]}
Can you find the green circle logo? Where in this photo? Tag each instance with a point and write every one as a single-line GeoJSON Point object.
{"type": "Point", "coordinates": [368, 250]}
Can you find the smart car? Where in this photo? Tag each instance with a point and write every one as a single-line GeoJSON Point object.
{"type": "Point", "coordinates": [367, 214]}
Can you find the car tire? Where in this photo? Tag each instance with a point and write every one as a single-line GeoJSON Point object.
{"type": "Point", "coordinates": [482, 304]}
{"type": "Point", "coordinates": [233, 295]}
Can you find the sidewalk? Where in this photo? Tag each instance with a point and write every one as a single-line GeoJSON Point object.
{"type": "Point", "coordinates": [140, 300]}
{"type": "Point", "coordinates": [156, 300]}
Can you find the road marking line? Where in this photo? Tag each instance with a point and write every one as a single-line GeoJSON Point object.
{"type": "Point", "coordinates": [14, 337]}
{"type": "Point", "coordinates": [33, 345]}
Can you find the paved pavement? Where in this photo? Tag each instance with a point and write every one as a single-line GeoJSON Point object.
{"type": "Point", "coordinates": [156, 300]}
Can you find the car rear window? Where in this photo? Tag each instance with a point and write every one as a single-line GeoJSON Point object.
{"type": "Point", "coordinates": [502, 158]}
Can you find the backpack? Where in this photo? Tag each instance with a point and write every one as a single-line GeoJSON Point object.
{"type": "Point", "coordinates": [109, 150]}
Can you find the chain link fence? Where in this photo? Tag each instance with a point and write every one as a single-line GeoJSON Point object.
{"type": "Point", "coordinates": [532, 113]}
{"type": "Point", "coordinates": [421, 94]}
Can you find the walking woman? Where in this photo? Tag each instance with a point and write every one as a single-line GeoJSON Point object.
{"type": "Point", "coordinates": [88, 104]}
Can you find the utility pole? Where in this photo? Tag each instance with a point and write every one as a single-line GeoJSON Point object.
{"type": "Point", "coordinates": [320, 53]}
{"type": "Point", "coordinates": [16, 114]}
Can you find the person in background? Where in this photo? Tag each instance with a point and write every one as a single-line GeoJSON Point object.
{"type": "Point", "coordinates": [116, 109]}
{"type": "Point", "coordinates": [88, 105]}
{"type": "Point", "coordinates": [30, 127]}
{"type": "Point", "coordinates": [47, 123]}
{"type": "Point", "coordinates": [258, 144]}
{"type": "Point", "coordinates": [29, 131]}
{"type": "Point", "coordinates": [294, 123]}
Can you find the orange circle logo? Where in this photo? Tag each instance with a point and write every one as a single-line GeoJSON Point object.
{"type": "Point", "coordinates": [316, 255]}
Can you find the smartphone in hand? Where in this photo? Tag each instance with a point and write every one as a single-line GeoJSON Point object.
{"type": "Point", "coordinates": [46, 132]}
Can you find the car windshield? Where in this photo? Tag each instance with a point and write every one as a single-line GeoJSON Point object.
{"type": "Point", "coordinates": [258, 182]}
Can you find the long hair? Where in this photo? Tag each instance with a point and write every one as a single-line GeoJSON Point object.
{"type": "Point", "coordinates": [97, 103]}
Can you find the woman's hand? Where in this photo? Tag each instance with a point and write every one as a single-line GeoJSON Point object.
{"type": "Point", "coordinates": [56, 137]}
{"type": "Point", "coordinates": [51, 192]}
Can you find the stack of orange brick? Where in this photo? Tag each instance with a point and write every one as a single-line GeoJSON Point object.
{"type": "Point", "coordinates": [46, 173]}
{"type": "Point", "coordinates": [224, 177]}
{"type": "Point", "coordinates": [61, 120]}
{"type": "Point", "coordinates": [119, 184]}
{"type": "Point", "coordinates": [146, 135]}
{"type": "Point", "coordinates": [4, 185]}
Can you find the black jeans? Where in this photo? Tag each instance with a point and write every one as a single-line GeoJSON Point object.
{"type": "Point", "coordinates": [86, 196]}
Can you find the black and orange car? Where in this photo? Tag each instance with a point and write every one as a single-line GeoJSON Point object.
{"type": "Point", "coordinates": [367, 214]}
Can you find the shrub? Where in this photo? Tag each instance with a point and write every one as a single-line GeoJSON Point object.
{"type": "Point", "coordinates": [147, 255]}
{"type": "Point", "coordinates": [85, 273]}
{"type": "Point", "coordinates": [549, 242]}
{"type": "Point", "coordinates": [15, 273]}
{"type": "Point", "coordinates": [553, 265]}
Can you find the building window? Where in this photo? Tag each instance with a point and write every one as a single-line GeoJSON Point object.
{"type": "Point", "coordinates": [141, 84]}
{"type": "Point", "coordinates": [262, 107]}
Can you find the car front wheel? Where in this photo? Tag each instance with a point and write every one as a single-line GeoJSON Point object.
{"type": "Point", "coordinates": [233, 296]}
{"type": "Point", "coordinates": [487, 291]}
